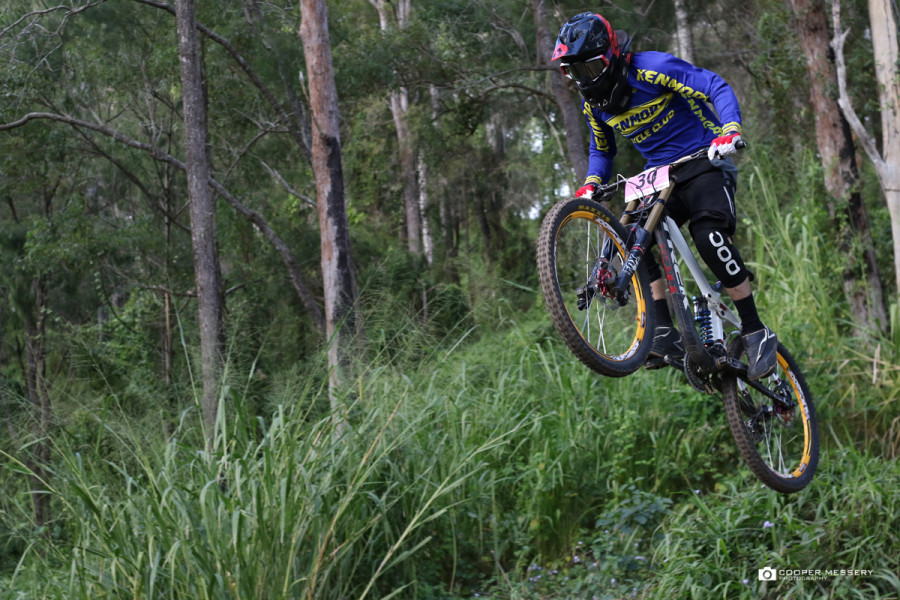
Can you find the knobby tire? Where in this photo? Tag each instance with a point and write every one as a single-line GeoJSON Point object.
{"type": "Point", "coordinates": [779, 443]}
{"type": "Point", "coordinates": [612, 340]}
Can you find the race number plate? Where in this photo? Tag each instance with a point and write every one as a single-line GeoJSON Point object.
{"type": "Point", "coordinates": [646, 183]}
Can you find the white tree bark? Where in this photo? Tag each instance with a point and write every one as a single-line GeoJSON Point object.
{"type": "Point", "coordinates": [886, 162]}
{"type": "Point", "coordinates": [683, 32]}
{"type": "Point", "coordinates": [427, 239]}
{"type": "Point", "coordinates": [400, 110]}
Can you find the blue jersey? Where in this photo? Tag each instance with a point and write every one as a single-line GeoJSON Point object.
{"type": "Point", "coordinates": [668, 118]}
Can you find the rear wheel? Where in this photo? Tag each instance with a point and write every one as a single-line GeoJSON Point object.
{"type": "Point", "coordinates": [610, 334]}
{"type": "Point", "coordinates": [776, 432]}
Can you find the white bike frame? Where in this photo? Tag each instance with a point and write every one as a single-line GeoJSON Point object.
{"type": "Point", "coordinates": [719, 313]}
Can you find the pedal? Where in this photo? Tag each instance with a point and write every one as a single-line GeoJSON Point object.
{"type": "Point", "coordinates": [654, 363]}
{"type": "Point", "coordinates": [658, 362]}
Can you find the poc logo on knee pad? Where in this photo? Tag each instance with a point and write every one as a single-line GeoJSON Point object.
{"type": "Point", "coordinates": [724, 253]}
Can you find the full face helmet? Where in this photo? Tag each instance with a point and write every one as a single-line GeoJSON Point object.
{"type": "Point", "coordinates": [590, 54]}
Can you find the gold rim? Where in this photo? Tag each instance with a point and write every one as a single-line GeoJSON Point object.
{"type": "Point", "coordinates": [640, 301]}
{"type": "Point", "coordinates": [804, 416]}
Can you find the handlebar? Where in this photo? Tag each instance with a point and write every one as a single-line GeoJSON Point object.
{"type": "Point", "coordinates": [610, 188]}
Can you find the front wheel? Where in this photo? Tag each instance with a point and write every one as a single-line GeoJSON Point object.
{"type": "Point", "coordinates": [774, 423]}
{"type": "Point", "coordinates": [580, 252]}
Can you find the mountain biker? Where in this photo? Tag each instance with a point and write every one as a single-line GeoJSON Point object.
{"type": "Point", "coordinates": [658, 101]}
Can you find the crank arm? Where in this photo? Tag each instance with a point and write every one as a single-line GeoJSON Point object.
{"type": "Point", "coordinates": [735, 367]}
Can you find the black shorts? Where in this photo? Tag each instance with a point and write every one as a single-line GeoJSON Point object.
{"type": "Point", "coordinates": [705, 189]}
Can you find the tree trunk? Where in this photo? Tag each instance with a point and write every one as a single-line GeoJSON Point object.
{"type": "Point", "coordinates": [427, 239]}
{"type": "Point", "coordinates": [39, 401]}
{"type": "Point", "coordinates": [838, 155]}
{"type": "Point", "coordinates": [887, 72]}
{"type": "Point", "coordinates": [886, 162]}
{"type": "Point", "coordinates": [203, 215]}
{"type": "Point", "coordinates": [569, 107]}
{"type": "Point", "coordinates": [683, 32]}
{"type": "Point", "coordinates": [400, 110]}
{"type": "Point", "coordinates": [337, 268]}
{"type": "Point", "coordinates": [399, 100]}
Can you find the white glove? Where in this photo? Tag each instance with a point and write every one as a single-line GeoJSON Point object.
{"type": "Point", "coordinates": [586, 191]}
{"type": "Point", "coordinates": [724, 145]}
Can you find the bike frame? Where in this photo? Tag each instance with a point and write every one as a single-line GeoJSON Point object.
{"type": "Point", "coordinates": [672, 247]}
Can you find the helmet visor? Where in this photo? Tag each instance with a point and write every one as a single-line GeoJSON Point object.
{"type": "Point", "coordinates": [587, 71]}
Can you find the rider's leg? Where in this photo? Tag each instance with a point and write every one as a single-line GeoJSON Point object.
{"type": "Point", "coordinates": [742, 296]}
{"type": "Point", "coordinates": [705, 197]}
{"type": "Point", "coordinates": [715, 246]}
{"type": "Point", "coordinates": [666, 339]}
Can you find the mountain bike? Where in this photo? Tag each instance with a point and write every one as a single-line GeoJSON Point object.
{"type": "Point", "coordinates": [597, 291]}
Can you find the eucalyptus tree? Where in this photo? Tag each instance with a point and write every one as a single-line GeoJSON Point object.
{"type": "Point", "coordinates": [337, 265]}
{"type": "Point", "coordinates": [886, 57]}
{"type": "Point", "coordinates": [394, 16]}
{"type": "Point", "coordinates": [841, 174]}
{"type": "Point", "coordinates": [207, 269]}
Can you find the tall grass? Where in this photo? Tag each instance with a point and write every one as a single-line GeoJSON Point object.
{"type": "Point", "coordinates": [799, 285]}
{"type": "Point", "coordinates": [282, 509]}
{"type": "Point", "coordinates": [492, 456]}
{"type": "Point", "coordinates": [501, 467]}
{"type": "Point", "coordinates": [847, 520]}
{"type": "Point", "coordinates": [479, 460]}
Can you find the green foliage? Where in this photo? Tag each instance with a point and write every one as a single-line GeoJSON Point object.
{"type": "Point", "coordinates": [472, 454]}
{"type": "Point", "coordinates": [499, 467]}
{"type": "Point", "coordinates": [714, 545]}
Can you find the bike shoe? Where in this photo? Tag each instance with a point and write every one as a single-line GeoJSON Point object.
{"type": "Point", "coordinates": [666, 342]}
{"type": "Point", "coordinates": [762, 349]}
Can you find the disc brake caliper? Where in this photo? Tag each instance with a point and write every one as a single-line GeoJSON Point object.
{"type": "Point", "coordinates": [602, 276]}
{"type": "Point", "coordinates": [785, 405]}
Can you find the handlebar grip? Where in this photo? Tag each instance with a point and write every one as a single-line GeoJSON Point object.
{"type": "Point", "coordinates": [741, 144]}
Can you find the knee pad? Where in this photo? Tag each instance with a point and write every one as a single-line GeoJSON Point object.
{"type": "Point", "coordinates": [717, 250]}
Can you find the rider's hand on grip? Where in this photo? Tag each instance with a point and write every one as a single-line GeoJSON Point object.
{"type": "Point", "coordinates": [725, 145]}
{"type": "Point", "coordinates": [586, 191]}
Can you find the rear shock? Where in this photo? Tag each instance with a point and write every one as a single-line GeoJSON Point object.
{"type": "Point", "coordinates": [704, 321]}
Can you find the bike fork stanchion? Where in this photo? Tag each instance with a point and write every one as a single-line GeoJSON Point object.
{"type": "Point", "coordinates": [642, 240]}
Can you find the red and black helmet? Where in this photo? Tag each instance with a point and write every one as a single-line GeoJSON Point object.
{"type": "Point", "coordinates": [589, 53]}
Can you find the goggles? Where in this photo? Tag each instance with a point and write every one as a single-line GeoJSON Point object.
{"type": "Point", "coordinates": [588, 70]}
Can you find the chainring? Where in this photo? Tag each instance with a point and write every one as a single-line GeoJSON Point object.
{"type": "Point", "coordinates": [698, 382]}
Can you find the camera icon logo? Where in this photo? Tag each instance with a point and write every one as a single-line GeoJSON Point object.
{"type": "Point", "coordinates": [768, 574]}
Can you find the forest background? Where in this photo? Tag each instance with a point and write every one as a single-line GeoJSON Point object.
{"type": "Point", "coordinates": [403, 421]}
